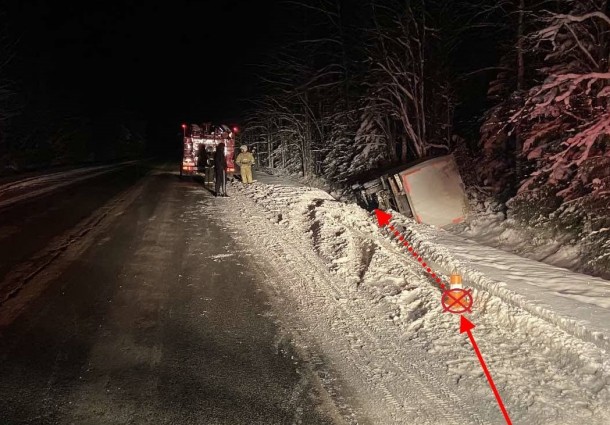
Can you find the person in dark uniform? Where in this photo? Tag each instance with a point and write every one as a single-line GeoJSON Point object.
{"type": "Point", "coordinates": [220, 170]}
{"type": "Point", "coordinates": [201, 159]}
{"type": "Point", "coordinates": [209, 165]}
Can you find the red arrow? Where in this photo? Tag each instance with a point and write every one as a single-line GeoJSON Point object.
{"type": "Point", "coordinates": [467, 326]}
{"type": "Point", "coordinates": [383, 218]}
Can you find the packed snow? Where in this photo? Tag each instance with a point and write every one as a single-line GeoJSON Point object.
{"type": "Point", "coordinates": [372, 319]}
{"type": "Point", "coordinates": [577, 303]}
{"type": "Point", "coordinates": [493, 229]}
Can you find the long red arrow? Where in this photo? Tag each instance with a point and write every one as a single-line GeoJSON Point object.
{"type": "Point", "coordinates": [467, 326]}
{"type": "Point", "coordinates": [383, 219]}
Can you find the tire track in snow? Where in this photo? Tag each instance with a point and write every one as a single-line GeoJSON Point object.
{"type": "Point", "coordinates": [439, 401]}
{"type": "Point", "coordinates": [573, 368]}
{"type": "Point", "coordinates": [339, 325]}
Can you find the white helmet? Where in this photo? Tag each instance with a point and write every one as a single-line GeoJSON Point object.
{"type": "Point", "coordinates": [244, 148]}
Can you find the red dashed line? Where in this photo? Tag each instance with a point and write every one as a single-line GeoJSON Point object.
{"type": "Point", "coordinates": [417, 256]}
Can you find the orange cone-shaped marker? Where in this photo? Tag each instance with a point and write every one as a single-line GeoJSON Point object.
{"type": "Point", "coordinates": [455, 281]}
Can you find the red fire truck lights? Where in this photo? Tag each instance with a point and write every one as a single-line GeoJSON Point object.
{"type": "Point", "coordinates": [235, 129]}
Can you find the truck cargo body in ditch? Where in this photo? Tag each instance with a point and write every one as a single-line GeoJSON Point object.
{"type": "Point", "coordinates": [431, 191]}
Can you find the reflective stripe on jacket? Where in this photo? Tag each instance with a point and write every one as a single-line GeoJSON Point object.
{"type": "Point", "coordinates": [245, 158]}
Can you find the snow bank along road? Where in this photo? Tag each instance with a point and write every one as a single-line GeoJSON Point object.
{"type": "Point", "coordinates": [348, 290]}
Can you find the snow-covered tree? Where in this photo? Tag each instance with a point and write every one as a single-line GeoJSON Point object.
{"type": "Point", "coordinates": [501, 140]}
{"type": "Point", "coordinates": [407, 79]}
{"type": "Point", "coordinates": [365, 85]}
{"type": "Point", "coordinates": [309, 92]}
{"type": "Point", "coordinates": [565, 120]}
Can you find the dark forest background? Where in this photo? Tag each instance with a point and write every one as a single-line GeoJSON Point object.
{"type": "Point", "coordinates": [517, 90]}
{"type": "Point", "coordinates": [99, 80]}
{"type": "Point", "coordinates": [62, 102]}
{"type": "Point", "coordinates": [517, 86]}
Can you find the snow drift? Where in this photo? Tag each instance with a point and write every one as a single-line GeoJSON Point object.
{"type": "Point", "coordinates": [550, 366]}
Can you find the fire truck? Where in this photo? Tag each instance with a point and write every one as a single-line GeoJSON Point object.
{"type": "Point", "coordinates": [200, 141]}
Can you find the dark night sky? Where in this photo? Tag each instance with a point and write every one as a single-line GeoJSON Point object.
{"type": "Point", "coordinates": [167, 62]}
{"type": "Point", "coordinates": [170, 61]}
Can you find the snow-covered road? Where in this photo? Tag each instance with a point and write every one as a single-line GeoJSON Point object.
{"type": "Point", "coordinates": [31, 187]}
{"type": "Point", "coordinates": [344, 288]}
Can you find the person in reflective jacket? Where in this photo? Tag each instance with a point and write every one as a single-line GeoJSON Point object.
{"type": "Point", "coordinates": [245, 160]}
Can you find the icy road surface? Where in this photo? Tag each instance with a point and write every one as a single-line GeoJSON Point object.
{"type": "Point", "coordinates": [152, 316]}
{"type": "Point", "coordinates": [32, 187]}
{"type": "Point", "coordinates": [378, 320]}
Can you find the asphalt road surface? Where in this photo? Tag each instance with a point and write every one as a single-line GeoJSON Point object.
{"type": "Point", "coordinates": [146, 315]}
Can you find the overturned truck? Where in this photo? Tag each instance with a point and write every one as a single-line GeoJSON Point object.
{"type": "Point", "coordinates": [431, 191]}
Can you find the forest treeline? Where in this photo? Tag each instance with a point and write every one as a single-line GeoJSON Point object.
{"type": "Point", "coordinates": [518, 90]}
{"type": "Point", "coordinates": [55, 109]}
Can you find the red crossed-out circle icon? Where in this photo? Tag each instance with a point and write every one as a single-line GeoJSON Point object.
{"type": "Point", "coordinates": [457, 301]}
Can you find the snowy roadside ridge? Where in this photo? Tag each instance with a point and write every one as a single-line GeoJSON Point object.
{"type": "Point", "coordinates": [546, 375]}
{"type": "Point", "coordinates": [394, 376]}
{"type": "Point", "coordinates": [422, 239]}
